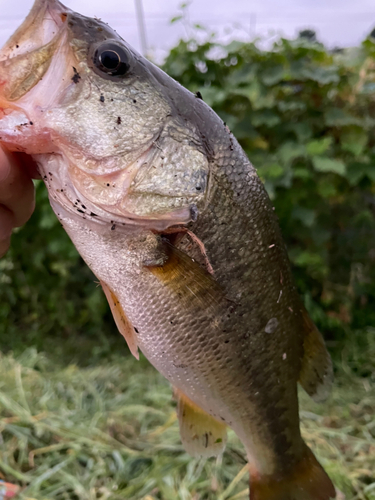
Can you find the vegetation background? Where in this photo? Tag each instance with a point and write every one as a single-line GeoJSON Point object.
{"type": "Point", "coordinates": [79, 419]}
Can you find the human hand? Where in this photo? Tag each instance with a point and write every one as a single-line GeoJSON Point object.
{"type": "Point", "coordinates": [17, 195]}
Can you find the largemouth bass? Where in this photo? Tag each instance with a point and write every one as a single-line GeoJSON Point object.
{"type": "Point", "coordinates": [166, 209]}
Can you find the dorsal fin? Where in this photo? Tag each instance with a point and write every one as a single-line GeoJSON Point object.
{"type": "Point", "coordinates": [122, 322]}
{"type": "Point", "coordinates": [316, 374]}
{"type": "Point", "coordinates": [201, 434]}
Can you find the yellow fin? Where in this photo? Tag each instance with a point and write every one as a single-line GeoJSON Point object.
{"type": "Point", "coordinates": [201, 434]}
{"type": "Point", "coordinates": [123, 324]}
{"type": "Point", "coordinates": [316, 374]}
{"type": "Point", "coordinates": [306, 481]}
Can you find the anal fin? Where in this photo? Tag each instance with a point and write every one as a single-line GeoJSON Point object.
{"type": "Point", "coordinates": [201, 434]}
{"type": "Point", "coordinates": [122, 322]}
{"type": "Point", "coordinates": [316, 374]}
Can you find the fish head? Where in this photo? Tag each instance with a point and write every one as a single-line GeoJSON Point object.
{"type": "Point", "coordinates": [109, 127]}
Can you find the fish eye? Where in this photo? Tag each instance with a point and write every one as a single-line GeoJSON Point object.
{"type": "Point", "coordinates": [112, 59]}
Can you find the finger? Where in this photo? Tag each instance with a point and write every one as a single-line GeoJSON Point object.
{"type": "Point", "coordinates": [6, 226]}
{"type": "Point", "coordinates": [4, 246]}
{"type": "Point", "coordinates": [17, 192]}
{"type": "Point", "coordinates": [27, 162]}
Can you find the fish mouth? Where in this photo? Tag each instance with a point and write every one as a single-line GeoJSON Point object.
{"type": "Point", "coordinates": [31, 62]}
{"type": "Point", "coordinates": [27, 55]}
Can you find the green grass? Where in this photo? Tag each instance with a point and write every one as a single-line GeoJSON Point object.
{"type": "Point", "coordinates": [109, 431]}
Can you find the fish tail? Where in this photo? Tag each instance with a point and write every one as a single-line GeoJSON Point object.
{"type": "Point", "coordinates": [306, 481]}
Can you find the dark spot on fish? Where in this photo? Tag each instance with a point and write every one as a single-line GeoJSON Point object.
{"type": "Point", "coordinates": [76, 77]}
{"type": "Point", "coordinates": [93, 215]}
{"type": "Point", "coordinates": [31, 123]}
{"type": "Point", "coordinates": [135, 101]}
{"type": "Point", "coordinates": [206, 440]}
{"type": "Point", "coordinates": [198, 95]}
{"type": "Point", "coordinates": [107, 185]}
{"type": "Point", "coordinates": [83, 206]}
{"type": "Point", "coordinates": [113, 227]}
{"type": "Point", "coordinates": [49, 173]}
{"type": "Point", "coordinates": [101, 99]}
{"type": "Point", "coordinates": [226, 341]}
{"type": "Point", "coordinates": [119, 120]}
{"type": "Point", "coordinates": [80, 211]}
{"type": "Point", "coordinates": [198, 188]}
{"type": "Point", "coordinates": [62, 190]}
{"type": "Point", "coordinates": [63, 16]}
{"type": "Point", "coordinates": [136, 330]}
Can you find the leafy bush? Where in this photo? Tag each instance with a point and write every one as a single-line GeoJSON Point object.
{"type": "Point", "coordinates": [305, 117]}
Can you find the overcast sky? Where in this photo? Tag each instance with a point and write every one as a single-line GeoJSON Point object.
{"type": "Point", "coordinates": [337, 22]}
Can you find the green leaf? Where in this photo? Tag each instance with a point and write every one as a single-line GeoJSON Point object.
{"type": "Point", "coordinates": [256, 94]}
{"type": "Point", "coordinates": [305, 215]}
{"type": "Point", "coordinates": [358, 170]}
{"type": "Point", "coordinates": [244, 129]}
{"type": "Point", "coordinates": [291, 150]}
{"type": "Point", "coordinates": [213, 96]}
{"type": "Point", "coordinates": [354, 140]}
{"type": "Point", "coordinates": [302, 130]}
{"type": "Point", "coordinates": [302, 173]}
{"type": "Point", "coordinates": [270, 171]}
{"type": "Point", "coordinates": [273, 75]}
{"type": "Point", "coordinates": [325, 164]}
{"type": "Point", "coordinates": [326, 189]}
{"type": "Point", "coordinates": [291, 105]}
{"type": "Point", "coordinates": [319, 146]}
{"type": "Point", "coordinates": [336, 117]}
{"type": "Point", "coordinates": [324, 76]}
{"type": "Point", "coordinates": [265, 117]}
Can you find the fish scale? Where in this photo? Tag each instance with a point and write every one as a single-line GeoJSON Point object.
{"type": "Point", "coordinates": [167, 211]}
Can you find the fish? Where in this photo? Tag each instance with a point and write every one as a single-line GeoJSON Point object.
{"type": "Point", "coordinates": [169, 213]}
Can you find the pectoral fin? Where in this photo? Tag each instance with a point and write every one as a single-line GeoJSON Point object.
{"type": "Point", "coordinates": [316, 374]}
{"type": "Point", "coordinates": [123, 324]}
{"type": "Point", "coordinates": [194, 285]}
{"type": "Point", "coordinates": [201, 434]}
